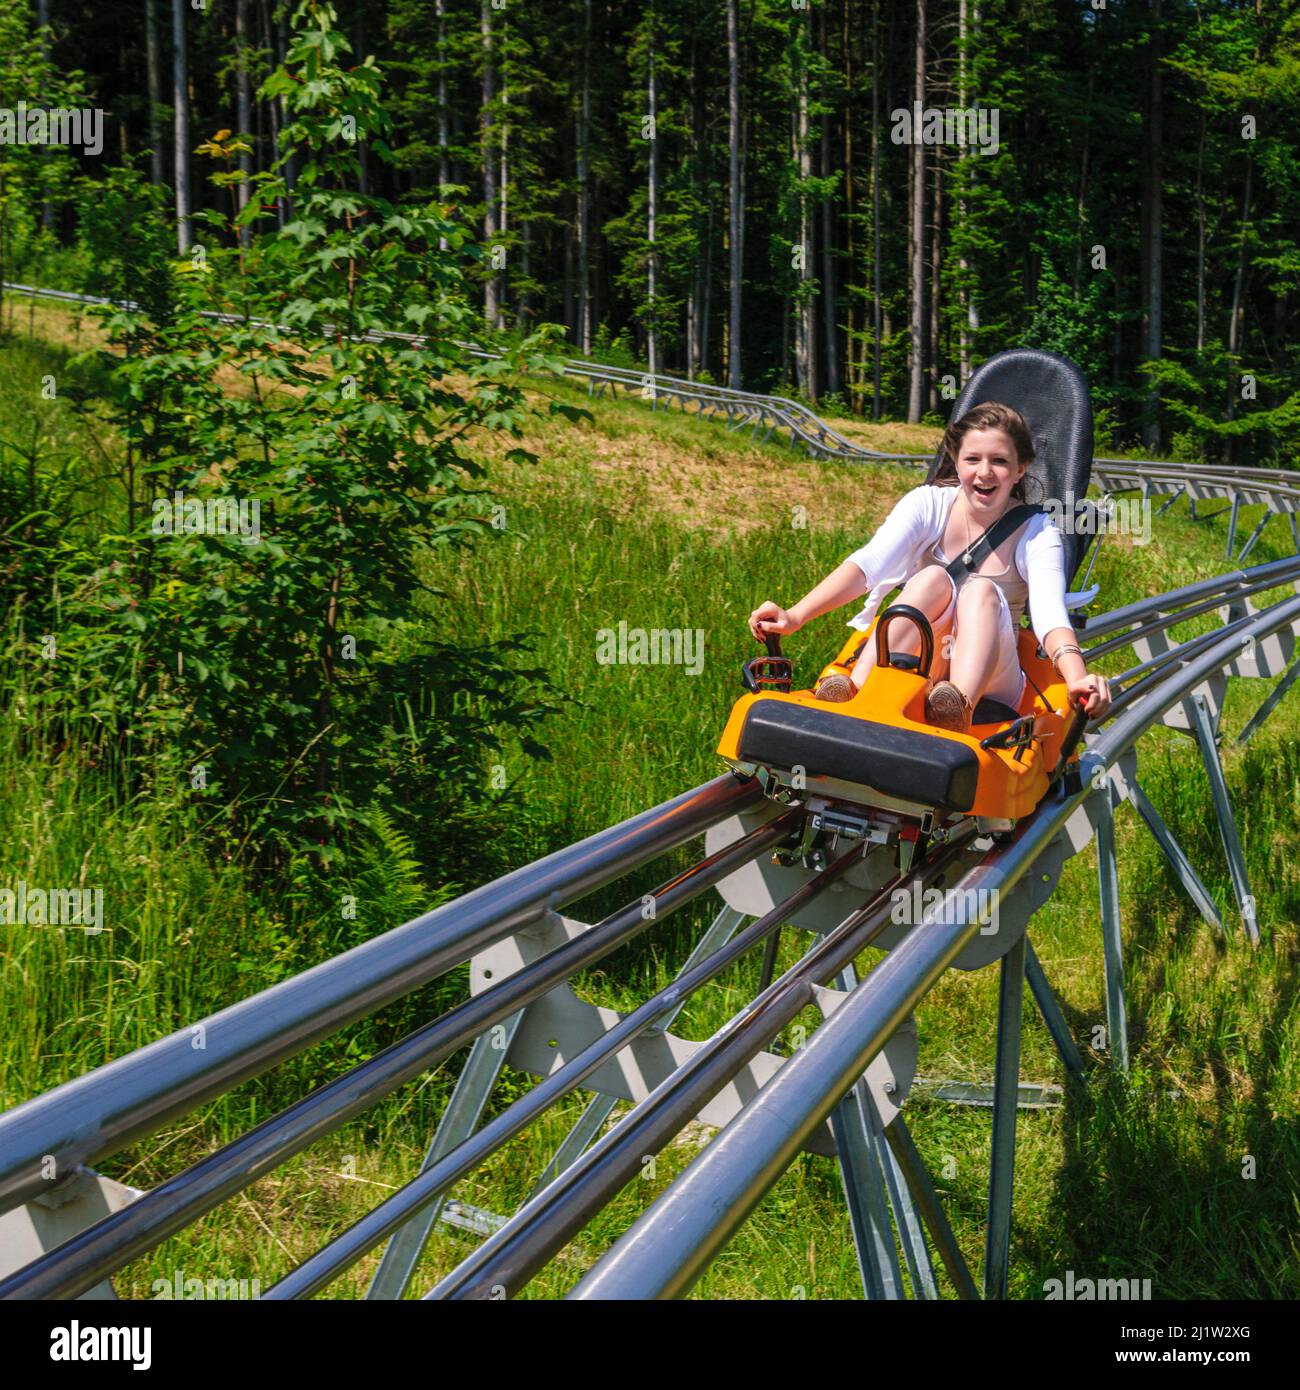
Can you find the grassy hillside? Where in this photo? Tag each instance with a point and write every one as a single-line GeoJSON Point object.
{"type": "Point", "coordinates": [661, 521]}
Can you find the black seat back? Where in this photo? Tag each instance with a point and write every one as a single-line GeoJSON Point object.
{"type": "Point", "coordinates": [1052, 394]}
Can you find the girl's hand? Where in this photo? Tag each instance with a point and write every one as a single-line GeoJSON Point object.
{"type": "Point", "coordinates": [770, 617]}
{"type": "Point", "coordinates": [1094, 690]}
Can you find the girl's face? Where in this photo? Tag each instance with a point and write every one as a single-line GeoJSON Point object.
{"type": "Point", "coordinates": [988, 467]}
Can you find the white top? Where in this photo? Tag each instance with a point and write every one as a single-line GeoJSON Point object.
{"type": "Point", "coordinates": [902, 544]}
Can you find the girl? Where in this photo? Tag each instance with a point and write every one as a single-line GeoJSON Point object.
{"type": "Point", "coordinates": [985, 456]}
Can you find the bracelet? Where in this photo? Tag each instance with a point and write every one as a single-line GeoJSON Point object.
{"type": "Point", "coordinates": [1061, 651]}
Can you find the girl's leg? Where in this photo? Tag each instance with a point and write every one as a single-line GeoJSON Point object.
{"type": "Point", "coordinates": [981, 635]}
{"type": "Point", "coordinates": [931, 591]}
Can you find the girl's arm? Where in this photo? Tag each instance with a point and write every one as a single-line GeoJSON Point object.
{"type": "Point", "coordinates": [1093, 690]}
{"type": "Point", "coordinates": [883, 560]}
{"type": "Point", "coordinates": [1042, 561]}
{"type": "Point", "coordinates": [841, 585]}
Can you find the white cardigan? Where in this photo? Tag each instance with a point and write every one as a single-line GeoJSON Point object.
{"type": "Point", "coordinates": [902, 544]}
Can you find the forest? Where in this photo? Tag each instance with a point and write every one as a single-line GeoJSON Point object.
{"type": "Point", "coordinates": [851, 200]}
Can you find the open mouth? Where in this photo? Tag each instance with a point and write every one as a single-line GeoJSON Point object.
{"type": "Point", "coordinates": [985, 489]}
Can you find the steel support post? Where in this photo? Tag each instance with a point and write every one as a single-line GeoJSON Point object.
{"type": "Point", "coordinates": [1173, 852]}
{"type": "Point", "coordinates": [1253, 537]}
{"type": "Point", "coordinates": [917, 1177]}
{"type": "Point", "coordinates": [911, 1231]}
{"type": "Point", "coordinates": [864, 1194]}
{"type": "Point", "coordinates": [459, 1120]}
{"type": "Point", "coordinates": [1199, 717]}
{"type": "Point", "coordinates": [861, 1171]}
{"type": "Point", "coordinates": [589, 1123]}
{"type": "Point", "coordinates": [1050, 1008]}
{"type": "Point", "coordinates": [1274, 698]}
{"type": "Point", "coordinates": [1002, 1158]}
{"type": "Point", "coordinates": [1164, 506]}
{"type": "Point", "coordinates": [1232, 524]}
{"type": "Point", "coordinates": [1111, 941]}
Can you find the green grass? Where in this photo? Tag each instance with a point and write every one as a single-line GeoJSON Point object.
{"type": "Point", "coordinates": [664, 521]}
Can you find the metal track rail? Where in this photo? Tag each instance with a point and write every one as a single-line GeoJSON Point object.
{"type": "Point", "coordinates": [111, 1107]}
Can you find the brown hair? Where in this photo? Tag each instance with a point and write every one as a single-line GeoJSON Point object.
{"type": "Point", "coordinates": [988, 415]}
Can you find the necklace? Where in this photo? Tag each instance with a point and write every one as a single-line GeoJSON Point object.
{"type": "Point", "coordinates": [968, 557]}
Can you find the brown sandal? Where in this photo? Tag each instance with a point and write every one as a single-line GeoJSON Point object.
{"type": "Point", "coordinates": [948, 708]}
{"type": "Point", "coordinates": [835, 689]}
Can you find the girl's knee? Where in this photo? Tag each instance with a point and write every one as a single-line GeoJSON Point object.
{"type": "Point", "coordinates": [980, 592]}
{"type": "Point", "coordinates": [930, 590]}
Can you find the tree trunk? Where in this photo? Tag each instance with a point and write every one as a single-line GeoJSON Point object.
{"type": "Point", "coordinates": [491, 287]}
{"type": "Point", "coordinates": [444, 175]}
{"type": "Point", "coordinates": [584, 190]}
{"type": "Point", "coordinates": [153, 61]}
{"type": "Point", "coordinates": [917, 224]}
{"type": "Point", "coordinates": [359, 47]}
{"type": "Point", "coordinates": [1153, 218]}
{"type": "Point", "coordinates": [1081, 196]}
{"type": "Point", "coordinates": [181, 107]}
{"type": "Point", "coordinates": [42, 23]}
{"type": "Point", "coordinates": [244, 99]}
{"type": "Point", "coordinates": [1239, 278]}
{"type": "Point", "coordinates": [804, 366]}
{"type": "Point", "coordinates": [291, 164]}
{"type": "Point", "coordinates": [963, 292]}
{"type": "Point", "coordinates": [526, 271]}
{"type": "Point", "coordinates": [1236, 313]}
{"type": "Point", "coordinates": [505, 190]}
{"type": "Point", "coordinates": [272, 106]}
{"type": "Point", "coordinates": [936, 233]}
{"type": "Point", "coordinates": [850, 370]}
{"type": "Point", "coordinates": [876, 302]}
{"type": "Point", "coordinates": [568, 283]}
{"type": "Point", "coordinates": [971, 322]}
{"type": "Point", "coordinates": [707, 292]}
{"type": "Point", "coordinates": [1200, 238]}
{"type": "Point", "coordinates": [830, 331]}
{"type": "Point", "coordinates": [735, 197]}
{"type": "Point", "coordinates": [652, 266]}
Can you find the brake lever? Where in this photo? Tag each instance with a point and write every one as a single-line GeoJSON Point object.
{"type": "Point", "coordinates": [772, 669]}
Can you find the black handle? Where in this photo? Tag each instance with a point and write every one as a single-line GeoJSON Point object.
{"type": "Point", "coordinates": [905, 610]}
{"type": "Point", "coordinates": [1074, 732]}
{"type": "Point", "coordinates": [772, 669]}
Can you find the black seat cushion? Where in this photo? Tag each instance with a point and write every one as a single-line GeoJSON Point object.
{"type": "Point", "coordinates": [905, 763]}
{"type": "Point", "coordinates": [1052, 394]}
{"type": "Point", "coordinates": [990, 711]}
